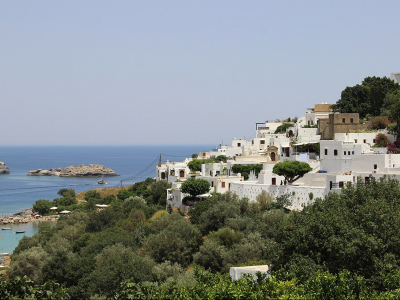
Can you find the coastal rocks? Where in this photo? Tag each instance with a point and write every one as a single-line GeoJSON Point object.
{"type": "Point", "coordinates": [92, 170]}
{"type": "Point", "coordinates": [3, 168]}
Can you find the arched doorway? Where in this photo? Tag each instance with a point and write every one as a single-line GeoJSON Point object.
{"type": "Point", "coordinates": [273, 153]}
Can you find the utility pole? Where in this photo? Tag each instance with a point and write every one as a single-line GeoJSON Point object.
{"type": "Point", "coordinates": [121, 183]}
{"type": "Point", "coordinates": [159, 160]}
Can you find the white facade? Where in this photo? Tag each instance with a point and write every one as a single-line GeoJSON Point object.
{"type": "Point", "coordinates": [172, 171]}
{"type": "Point", "coordinates": [395, 77]}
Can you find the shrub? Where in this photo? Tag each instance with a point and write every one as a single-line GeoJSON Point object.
{"type": "Point", "coordinates": [381, 140]}
{"type": "Point", "coordinates": [378, 123]}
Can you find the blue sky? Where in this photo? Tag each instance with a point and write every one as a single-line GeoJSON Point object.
{"type": "Point", "coordinates": [180, 72]}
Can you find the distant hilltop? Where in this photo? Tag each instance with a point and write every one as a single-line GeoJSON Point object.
{"type": "Point", "coordinates": [3, 168]}
{"type": "Point", "coordinates": [91, 170]}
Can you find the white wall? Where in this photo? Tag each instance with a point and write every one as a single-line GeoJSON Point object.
{"type": "Point", "coordinates": [299, 199]}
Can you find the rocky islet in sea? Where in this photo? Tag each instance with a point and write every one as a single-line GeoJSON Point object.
{"type": "Point", "coordinates": [92, 170]}
{"type": "Point", "coordinates": [3, 168]}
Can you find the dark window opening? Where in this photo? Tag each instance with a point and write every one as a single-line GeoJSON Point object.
{"type": "Point", "coordinates": [273, 181]}
{"type": "Point", "coordinates": [326, 151]}
{"type": "Point", "coordinates": [343, 120]}
{"type": "Point", "coordinates": [335, 152]}
{"type": "Point", "coordinates": [340, 184]}
{"type": "Point", "coordinates": [375, 167]}
{"type": "Point", "coordinates": [351, 120]}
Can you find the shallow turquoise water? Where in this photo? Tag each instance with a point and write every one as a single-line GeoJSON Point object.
{"type": "Point", "coordinates": [9, 239]}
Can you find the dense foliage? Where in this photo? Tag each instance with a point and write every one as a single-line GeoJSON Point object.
{"type": "Point", "coordinates": [313, 148]}
{"type": "Point", "coordinates": [381, 140]}
{"type": "Point", "coordinates": [245, 170]}
{"type": "Point", "coordinates": [366, 99]}
{"type": "Point", "coordinates": [282, 128]}
{"type": "Point", "coordinates": [346, 246]}
{"type": "Point", "coordinates": [195, 164]}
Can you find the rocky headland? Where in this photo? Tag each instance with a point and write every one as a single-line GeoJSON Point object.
{"type": "Point", "coordinates": [3, 168]}
{"type": "Point", "coordinates": [92, 170]}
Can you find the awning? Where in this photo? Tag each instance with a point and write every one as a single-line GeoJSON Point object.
{"type": "Point", "coordinates": [285, 145]}
{"type": "Point", "coordinates": [53, 208]}
{"type": "Point", "coordinates": [65, 212]}
{"type": "Point", "coordinates": [301, 144]}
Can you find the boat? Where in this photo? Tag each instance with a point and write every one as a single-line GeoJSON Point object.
{"type": "Point", "coordinates": [5, 254]}
{"type": "Point", "coordinates": [20, 231]}
{"type": "Point", "coordinates": [5, 228]}
{"type": "Point", "coordinates": [102, 181]}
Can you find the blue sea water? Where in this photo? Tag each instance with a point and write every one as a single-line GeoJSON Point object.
{"type": "Point", "coordinates": [19, 191]}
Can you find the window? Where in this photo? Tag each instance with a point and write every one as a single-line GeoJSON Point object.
{"type": "Point", "coordinates": [182, 173]}
{"type": "Point", "coordinates": [262, 142]}
{"type": "Point", "coordinates": [343, 120]}
{"type": "Point", "coordinates": [223, 184]}
{"type": "Point", "coordinates": [355, 141]}
{"type": "Point", "coordinates": [348, 152]}
{"type": "Point", "coordinates": [352, 152]}
{"type": "Point", "coordinates": [229, 187]}
{"type": "Point", "coordinates": [344, 152]}
{"type": "Point", "coordinates": [212, 183]}
{"type": "Point", "coordinates": [374, 141]}
{"type": "Point", "coordinates": [364, 141]}
{"type": "Point", "coordinates": [163, 175]}
{"type": "Point", "coordinates": [351, 120]}
{"type": "Point", "coordinates": [239, 144]}
{"type": "Point", "coordinates": [335, 152]}
{"type": "Point", "coordinates": [326, 151]}
{"type": "Point", "coordinates": [273, 181]}
{"type": "Point", "coordinates": [340, 184]}
{"type": "Point", "coordinates": [375, 167]}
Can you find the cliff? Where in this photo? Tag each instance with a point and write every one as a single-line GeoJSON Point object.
{"type": "Point", "coordinates": [4, 169]}
{"type": "Point", "coordinates": [91, 170]}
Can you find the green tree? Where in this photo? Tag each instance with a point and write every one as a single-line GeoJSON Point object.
{"type": "Point", "coordinates": [291, 170]}
{"type": "Point", "coordinates": [367, 98]}
{"type": "Point", "coordinates": [159, 192]}
{"type": "Point", "coordinates": [195, 187]}
{"type": "Point", "coordinates": [124, 194]}
{"type": "Point", "coordinates": [29, 263]}
{"type": "Point", "coordinates": [245, 170]}
{"type": "Point", "coordinates": [391, 108]}
{"type": "Point", "coordinates": [282, 128]}
{"type": "Point", "coordinates": [115, 264]}
{"type": "Point", "coordinates": [92, 194]}
{"type": "Point", "coordinates": [355, 230]}
{"type": "Point", "coordinates": [195, 165]}
{"type": "Point", "coordinates": [42, 206]}
{"type": "Point", "coordinates": [67, 193]}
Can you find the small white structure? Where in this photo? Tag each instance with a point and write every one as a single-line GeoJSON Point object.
{"type": "Point", "coordinates": [395, 77]}
{"type": "Point", "coordinates": [237, 272]}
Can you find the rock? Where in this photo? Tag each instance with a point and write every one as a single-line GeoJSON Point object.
{"type": "Point", "coordinates": [3, 168]}
{"type": "Point", "coordinates": [93, 170]}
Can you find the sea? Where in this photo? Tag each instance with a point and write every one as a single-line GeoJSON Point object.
{"type": "Point", "coordinates": [19, 191]}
